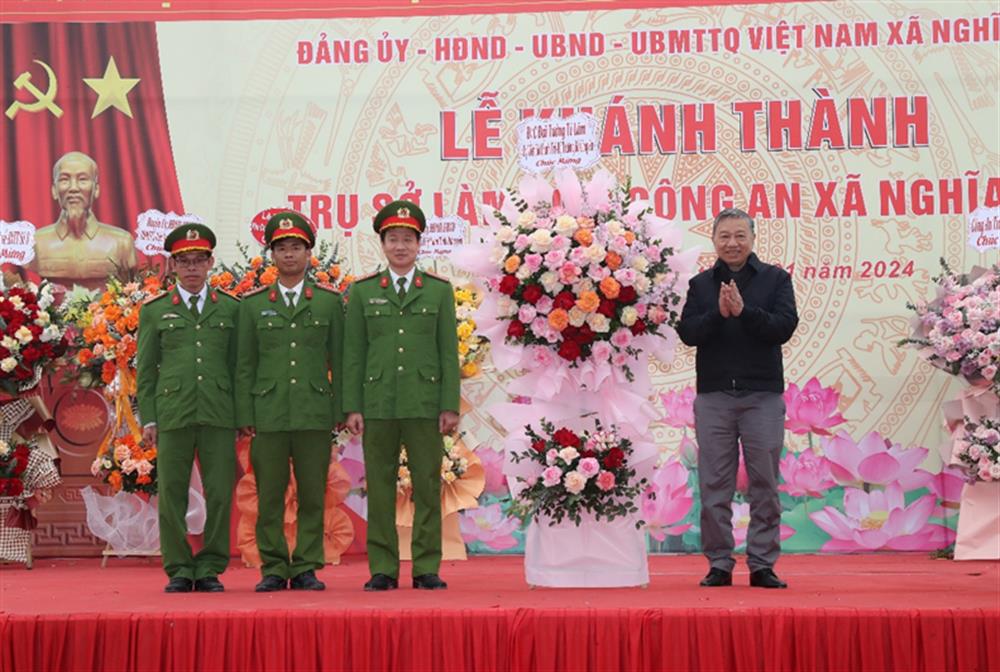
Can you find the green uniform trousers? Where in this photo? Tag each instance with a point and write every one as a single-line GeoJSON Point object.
{"type": "Point", "coordinates": [424, 449]}
{"type": "Point", "coordinates": [309, 451]}
{"type": "Point", "coordinates": [176, 449]}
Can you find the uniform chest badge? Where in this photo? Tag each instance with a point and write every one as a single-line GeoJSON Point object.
{"type": "Point", "coordinates": [268, 313]}
{"type": "Point", "coordinates": [418, 282]}
{"type": "Point", "coordinates": [308, 293]}
{"type": "Point", "coordinates": [169, 316]}
{"type": "Point", "coordinates": [378, 301]}
{"type": "Point", "coordinates": [384, 283]}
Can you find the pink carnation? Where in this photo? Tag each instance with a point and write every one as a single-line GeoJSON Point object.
{"type": "Point", "coordinates": [606, 481]}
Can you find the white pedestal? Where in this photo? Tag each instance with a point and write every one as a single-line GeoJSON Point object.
{"type": "Point", "coordinates": [593, 555]}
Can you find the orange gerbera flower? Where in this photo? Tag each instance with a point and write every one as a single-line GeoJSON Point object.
{"type": "Point", "coordinates": [314, 261]}
{"type": "Point", "coordinates": [108, 372]}
{"type": "Point", "coordinates": [584, 237]}
{"type": "Point", "coordinates": [335, 272]}
{"type": "Point", "coordinates": [269, 276]}
{"type": "Point", "coordinates": [610, 287]}
{"type": "Point", "coordinates": [323, 277]}
{"type": "Point", "coordinates": [588, 302]}
{"type": "Point", "coordinates": [558, 319]}
{"type": "Point", "coordinates": [256, 262]}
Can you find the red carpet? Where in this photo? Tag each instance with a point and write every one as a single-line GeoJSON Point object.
{"type": "Point", "coordinates": [875, 612]}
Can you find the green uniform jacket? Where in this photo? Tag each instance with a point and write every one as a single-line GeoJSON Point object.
{"type": "Point", "coordinates": [286, 358]}
{"type": "Point", "coordinates": [401, 360]}
{"type": "Point", "coordinates": [184, 365]}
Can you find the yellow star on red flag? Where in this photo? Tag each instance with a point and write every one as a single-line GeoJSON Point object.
{"type": "Point", "coordinates": [112, 90]}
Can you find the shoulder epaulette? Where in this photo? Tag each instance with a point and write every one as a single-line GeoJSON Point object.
{"type": "Point", "coordinates": [226, 292]}
{"type": "Point", "coordinates": [327, 288]}
{"type": "Point", "coordinates": [257, 291]}
{"type": "Point", "coordinates": [368, 277]}
{"type": "Point", "coordinates": [155, 297]}
{"type": "Point", "coordinates": [436, 276]}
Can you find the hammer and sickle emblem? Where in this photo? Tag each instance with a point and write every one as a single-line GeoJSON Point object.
{"type": "Point", "coordinates": [43, 99]}
{"type": "Point", "coordinates": [403, 212]}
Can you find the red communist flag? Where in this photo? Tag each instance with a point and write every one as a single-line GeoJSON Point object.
{"type": "Point", "coordinates": [89, 88]}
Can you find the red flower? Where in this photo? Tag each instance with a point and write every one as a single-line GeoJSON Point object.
{"type": "Point", "coordinates": [515, 330]}
{"type": "Point", "coordinates": [587, 453]}
{"type": "Point", "coordinates": [566, 438]}
{"type": "Point", "coordinates": [538, 445]}
{"type": "Point", "coordinates": [638, 327]}
{"type": "Point", "coordinates": [509, 285]}
{"type": "Point", "coordinates": [607, 308]}
{"type": "Point", "coordinates": [569, 350]}
{"type": "Point", "coordinates": [627, 295]}
{"type": "Point", "coordinates": [11, 487]}
{"type": "Point", "coordinates": [614, 459]}
{"type": "Point", "coordinates": [564, 300]}
{"type": "Point", "coordinates": [532, 293]}
{"type": "Point", "coordinates": [30, 354]}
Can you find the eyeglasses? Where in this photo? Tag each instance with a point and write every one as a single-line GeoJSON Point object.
{"type": "Point", "coordinates": [191, 262]}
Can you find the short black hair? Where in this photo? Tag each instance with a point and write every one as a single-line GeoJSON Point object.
{"type": "Point", "coordinates": [732, 213]}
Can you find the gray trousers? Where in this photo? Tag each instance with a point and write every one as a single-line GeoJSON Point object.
{"type": "Point", "coordinates": [721, 421]}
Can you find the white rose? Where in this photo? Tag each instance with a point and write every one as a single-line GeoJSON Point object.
{"type": "Point", "coordinates": [568, 454]}
{"type": "Point", "coordinates": [506, 307]}
{"type": "Point", "coordinates": [566, 225]}
{"type": "Point", "coordinates": [8, 364]}
{"type": "Point", "coordinates": [505, 234]}
{"type": "Point", "coordinates": [596, 253]}
{"type": "Point", "coordinates": [526, 218]}
{"type": "Point", "coordinates": [523, 272]}
{"type": "Point", "coordinates": [550, 281]}
{"type": "Point", "coordinates": [23, 334]}
{"type": "Point", "coordinates": [629, 316]}
{"type": "Point", "coordinates": [43, 318]}
{"type": "Point", "coordinates": [10, 344]}
{"type": "Point", "coordinates": [614, 227]}
{"type": "Point", "coordinates": [640, 264]}
{"type": "Point", "coordinates": [577, 317]}
{"type": "Point", "coordinates": [50, 333]}
{"type": "Point", "coordinates": [4, 448]}
{"type": "Point", "coordinates": [641, 284]}
{"type": "Point", "coordinates": [541, 240]}
{"type": "Point", "coordinates": [599, 323]}
{"type": "Point", "coordinates": [575, 482]}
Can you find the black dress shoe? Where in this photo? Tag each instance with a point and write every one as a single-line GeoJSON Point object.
{"type": "Point", "coordinates": [209, 584]}
{"type": "Point", "coordinates": [271, 583]}
{"type": "Point", "coordinates": [766, 578]}
{"type": "Point", "coordinates": [429, 582]}
{"type": "Point", "coordinates": [381, 582]}
{"type": "Point", "coordinates": [717, 577]}
{"type": "Point", "coordinates": [178, 584]}
{"type": "Point", "coordinates": [307, 581]}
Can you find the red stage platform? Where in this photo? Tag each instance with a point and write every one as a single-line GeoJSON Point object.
{"type": "Point", "coordinates": [875, 612]}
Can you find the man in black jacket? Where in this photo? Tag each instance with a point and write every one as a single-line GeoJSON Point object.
{"type": "Point", "coordinates": [738, 314]}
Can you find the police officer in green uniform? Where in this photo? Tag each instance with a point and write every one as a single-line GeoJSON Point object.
{"type": "Point", "coordinates": [401, 385]}
{"type": "Point", "coordinates": [186, 354]}
{"type": "Point", "coordinates": [288, 369]}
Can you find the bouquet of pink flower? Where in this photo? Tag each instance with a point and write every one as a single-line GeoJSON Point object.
{"type": "Point", "coordinates": [587, 276]}
{"type": "Point", "coordinates": [586, 471]}
{"type": "Point", "coordinates": [959, 331]}
{"type": "Point", "coordinates": [978, 451]}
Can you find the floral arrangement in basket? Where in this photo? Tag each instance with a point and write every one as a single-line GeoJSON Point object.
{"type": "Point", "coordinates": [580, 472]}
{"type": "Point", "coordinates": [585, 277]}
{"type": "Point", "coordinates": [33, 336]}
{"type": "Point", "coordinates": [127, 465]}
{"type": "Point", "coordinates": [106, 329]}
{"type": "Point", "coordinates": [472, 346]}
{"type": "Point", "coordinates": [13, 462]}
{"type": "Point", "coordinates": [256, 271]}
{"type": "Point", "coordinates": [959, 331]}
{"type": "Point", "coordinates": [454, 466]}
{"type": "Point", "coordinates": [978, 450]}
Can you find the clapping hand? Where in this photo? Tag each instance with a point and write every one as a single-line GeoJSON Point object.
{"type": "Point", "coordinates": [730, 300]}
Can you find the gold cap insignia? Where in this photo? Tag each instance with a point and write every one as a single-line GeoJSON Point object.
{"type": "Point", "coordinates": [192, 234]}
{"type": "Point", "coordinates": [403, 212]}
{"type": "Point", "coordinates": [286, 223]}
